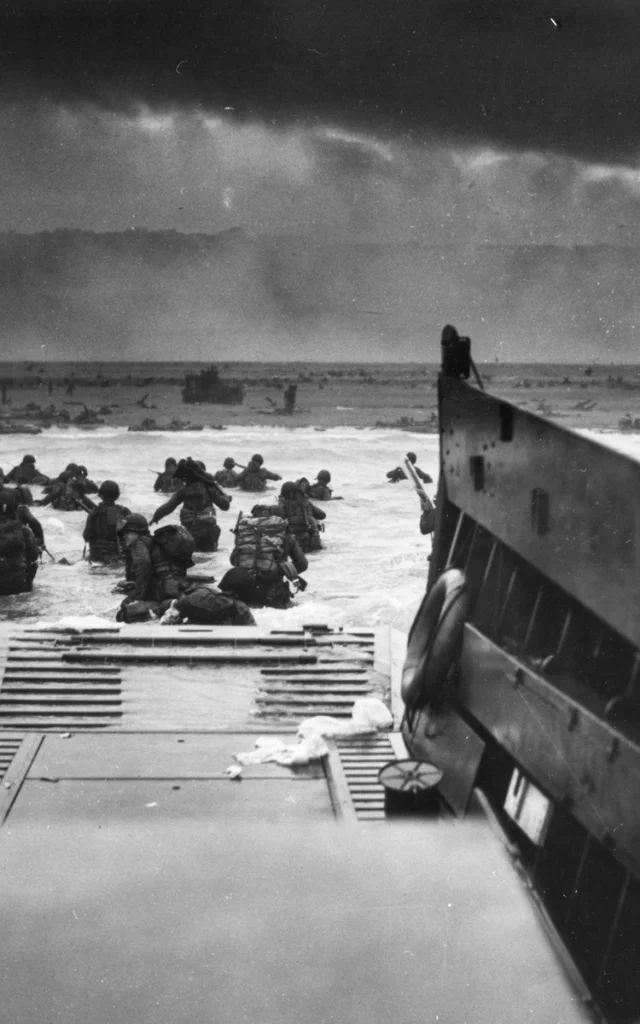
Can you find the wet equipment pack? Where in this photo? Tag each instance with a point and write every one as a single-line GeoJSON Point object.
{"type": "Point", "coordinates": [260, 543]}
{"type": "Point", "coordinates": [109, 518]}
{"type": "Point", "coordinates": [189, 470]}
{"type": "Point", "coordinates": [12, 544]}
{"type": "Point", "coordinates": [207, 605]}
{"type": "Point", "coordinates": [176, 542]}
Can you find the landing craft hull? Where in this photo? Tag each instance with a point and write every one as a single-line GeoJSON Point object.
{"type": "Point", "coordinates": [543, 711]}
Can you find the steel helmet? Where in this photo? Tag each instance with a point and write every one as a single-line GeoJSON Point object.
{"type": "Point", "coordinates": [28, 458]}
{"type": "Point", "coordinates": [288, 489]}
{"type": "Point", "coordinates": [109, 489]}
{"type": "Point", "coordinates": [324, 476]}
{"type": "Point", "coordinates": [135, 522]}
{"type": "Point", "coordinates": [258, 459]}
{"type": "Point", "coordinates": [412, 456]}
{"type": "Point", "coordinates": [229, 463]}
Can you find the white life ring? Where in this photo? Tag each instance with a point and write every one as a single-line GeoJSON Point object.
{"type": "Point", "coordinates": [435, 639]}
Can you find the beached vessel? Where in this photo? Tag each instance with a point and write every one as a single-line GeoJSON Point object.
{"type": "Point", "coordinates": [207, 386]}
{"type": "Point", "coordinates": [302, 893]}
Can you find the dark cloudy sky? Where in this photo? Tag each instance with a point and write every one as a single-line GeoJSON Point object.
{"type": "Point", "coordinates": [435, 121]}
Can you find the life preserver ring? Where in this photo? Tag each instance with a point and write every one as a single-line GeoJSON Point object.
{"type": "Point", "coordinates": [435, 639]}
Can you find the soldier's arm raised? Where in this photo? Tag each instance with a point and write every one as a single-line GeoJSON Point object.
{"type": "Point", "coordinates": [164, 510]}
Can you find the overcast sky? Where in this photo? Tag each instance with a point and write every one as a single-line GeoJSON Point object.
{"type": "Point", "coordinates": [437, 121]}
{"type": "Point", "coordinates": [491, 120]}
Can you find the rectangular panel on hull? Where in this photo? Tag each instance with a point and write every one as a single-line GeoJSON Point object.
{"type": "Point", "coordinates": [565, 503]}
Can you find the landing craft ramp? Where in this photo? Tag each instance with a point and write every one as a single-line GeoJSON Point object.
{"type": "Point", "coordinates": [146, 885]}
{"type": "Point", "coordinates": [165, 708]}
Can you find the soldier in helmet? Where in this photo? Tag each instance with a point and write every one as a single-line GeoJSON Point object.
{"type": "Point", "coordinates": [101, 528]}
{"type": "Point", "coordinates": [394, 476]}
{"type": "Point", "coordinates": [155, 576]}
{"type": "Point", "coordinates": [320, 490]}
{"type": "Point", "coordinates": [167, 482]}
{"type": "Point", "coordinates": [26, 473]}
{"type": "Point", "coordinates": [18, 549]}
{"type": "Point", "coordinates": [83, 481]}
{"type": "Point", "coordinates": [265, 559]}
{"type": "Point", "coordinates": [23, 513]}
{"type": "Point", "coordinates": [227, 477]}
{"type": "Point", "coordinates": [254, 477]}
{"type": "Point", "coordinates": [67, 492]}
{"type": "Point", "coordinates": [301, 514]}
{"type": "Point", "coordinates": [197, 494]}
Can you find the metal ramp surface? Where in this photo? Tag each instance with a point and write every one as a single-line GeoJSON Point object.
{"type": "Point", "coordinates": [354, 764]}
{"type": "Point", "coordinates": [174, 677]}
{"type": "Point", "coordinates": [9, 746]}
{"type": "Point", "coordinates": [136, 682]}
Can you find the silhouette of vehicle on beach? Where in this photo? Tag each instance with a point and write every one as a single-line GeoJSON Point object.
{"type": "Point", "coordinates": [206, 386]}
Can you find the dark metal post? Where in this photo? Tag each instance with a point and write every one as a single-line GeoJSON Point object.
{"type": "Point", "coordinates": [456, 354]}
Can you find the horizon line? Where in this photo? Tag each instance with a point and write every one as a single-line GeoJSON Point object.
{"type": "Point", "coordinates": [431, 364]}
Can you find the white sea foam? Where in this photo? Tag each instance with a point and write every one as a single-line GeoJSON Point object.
{"type": "Point", "coordinates": [374, 566]}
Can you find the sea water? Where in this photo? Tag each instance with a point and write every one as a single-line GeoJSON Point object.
{"type": "Point", "coordinates": [372, 570]}
{"type": "Point", "coordinates": [374, 563]}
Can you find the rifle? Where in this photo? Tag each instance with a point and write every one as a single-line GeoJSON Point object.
{"type": "Point", "coordinates": [425, 500]}
{"type": "Point", "coordinates": [83, 503]}
{"type": "Point", "coordinates": [190, 466]}
{"type": "Point", "coordinates": [235, 528]}
{"type": "Point", "coordinates": [45, 548]}
{"type": "Point", "coordinates": [428, 518]}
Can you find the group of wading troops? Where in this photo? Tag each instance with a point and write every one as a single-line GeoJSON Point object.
{"type": "Point", "coordinates": [268, 556]}
{"type": "Point", "coordinates": [269, 553]}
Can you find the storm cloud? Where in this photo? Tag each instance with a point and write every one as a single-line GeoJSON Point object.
{"type": "Point", "coordinates": [525, 75]}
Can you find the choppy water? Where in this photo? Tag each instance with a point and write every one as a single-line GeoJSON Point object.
{"type": "Point", "coordinates": [374, 566]}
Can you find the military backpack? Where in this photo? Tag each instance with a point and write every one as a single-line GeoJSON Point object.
{"type": "Point", "coordinates": [260, 543]}
{"type": "Point", "coordinates": [12, 544]}
{"type": "Point", "coordinates": [176, 542]}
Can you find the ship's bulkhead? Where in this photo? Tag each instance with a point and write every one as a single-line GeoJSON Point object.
{"type": "Point", "coordinates": [543, 523]}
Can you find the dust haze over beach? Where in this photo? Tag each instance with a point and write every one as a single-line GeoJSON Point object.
{"type": "Point", "coordinates": [295, 181]}
{"type": "Point", "coordinates": [163, 295]}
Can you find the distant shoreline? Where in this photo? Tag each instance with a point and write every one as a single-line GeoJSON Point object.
{"type": "Point", "coordinates": [395, 396]}
{"type": "Point", "coordinates": [90, 367]}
